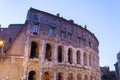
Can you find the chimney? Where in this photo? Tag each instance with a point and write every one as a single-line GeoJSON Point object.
{"type": "Point", "coordinates": [58, 15]}
{"type": "Point", "coordinates": [85, 26]}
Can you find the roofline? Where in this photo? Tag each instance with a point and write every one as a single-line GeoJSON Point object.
{"type": "Point", "coordinates": [68, 21]}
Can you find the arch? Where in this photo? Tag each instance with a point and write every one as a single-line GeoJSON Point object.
{"type": "Point", "coordinates": [59, 76]}
{"type": "Point", "coordinates": [79, 77]}
{"type": "Point", "coordinates": [91, 78]}
{"type": "Point", "coordinates": [70, 76]}
{"type": "Point", "coordinates": [85, 77]}
{"type": "Point", "coordinates": [34, 53]}
{"type": "Point", "coordinates": [32, 75]}
{"type": "Point", "coordinates": [48, 53]}
{"type": "Point", "coordinates": [46, 76]}
{"type": "Point", "coordinates": [85, 59]}
{"type": "Point", "coordinates": [70, 59]}
{"type": "Point", "coordinates": [90, 61]}
{"type": "Point", "coordinates": [60, 54]}
{"type": "Point", "coordinates": [78, 57]}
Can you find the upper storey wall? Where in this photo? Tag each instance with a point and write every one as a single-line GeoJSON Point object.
{"type": "Point", "coordinates": [64, 29]}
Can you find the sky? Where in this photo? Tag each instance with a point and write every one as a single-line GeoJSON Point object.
{"type": "Point", "coordinates": [102, 17]}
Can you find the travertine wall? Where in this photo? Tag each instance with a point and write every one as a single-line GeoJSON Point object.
{"type": "Point", "coordinates": [17, 64]}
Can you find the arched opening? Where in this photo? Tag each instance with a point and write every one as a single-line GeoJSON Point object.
{"type": "Point", "coordinates": [91, 78]}
{"type": "Point", "coordinates": [85, 59]}
{"type": "Point", "coordinates": [60, 54]}
{"type": "Point", "coordinates": [70, 60]}
{"type": "Point", "coordinates": [70, 76]}
{"type": "Point", "coordinates": [78, 57]}
{"type": "Point", "coordinates": [34, 50]}
{"type": "Point", "coordinates": [79, 77]}
{"type": "Point", "coordinates": [48, 53]}
{"type": "Point", "coordinates": [85, 77]}
{"type": "Point", "coordinates": [90, 61]}
{"type": "Point", "coordinates": [32, 75]}
{"type": "Point", "coordinates": [59, 76]}
{"type": "Point", "coordinates": [46, 76]}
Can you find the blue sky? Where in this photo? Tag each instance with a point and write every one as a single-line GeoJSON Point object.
{"type": "Point", "coordinates": [101, 16]}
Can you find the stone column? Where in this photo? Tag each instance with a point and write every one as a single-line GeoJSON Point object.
{"type": "Point", "coordinates": [66, 54]}
{"type": "Point", "coordinates": [26, 58]}
{"type": "Point", "coordinates": [74, 76]}
{"type": "Point", "coordinates": [65, 76]}
{"type": "Point", "coordinates": [81, 58]}
{"type": "Point", "coordinates": [74, 56]}
{"type": "Point", "coordinates": [42, 51]}
{"type": "Point", "coordinates": [54, 55]}
{"type": "Point", "coordinates": [54, 75]}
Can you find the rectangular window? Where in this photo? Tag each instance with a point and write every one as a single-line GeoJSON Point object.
{"type": "Point", "coordinates": [69, 36]}
{"type": "Point", "coordinates": [36, 29]}
{"type": "Point", "coordinates": [90, 44]}
{"type": "Point", "coordinates": [35, 17]}
{"type": "Point", "coordinates": [63, 35]}
{"type": "Point", "coordinates": [79, 40]}
{"type": "Point", "coordinates": [52, 31]}
{"type": "Point", "coordinates": [53, 22]}
{"type": "Point", "coordinates": [64, 26]}
{"type": "Point", "coordinates": [10, 39]}
{"type": "Point", "coordinates": [83, 41]}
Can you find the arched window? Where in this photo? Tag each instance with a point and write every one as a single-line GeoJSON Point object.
{"type": "Point", "coordinates": [85, 77]}
{"type": "Point", "coordinates": [59, 76]}
{"type": "Point", "coordinates": [48, 53]}
{"type": "Point", "coordinates": [78, 57]}
{"type": "Point", "coordinates": [79, 77]}
{"type": "Point", "coordinates": [93, 61]}
{"type": "Point", "coordinates": [70, 76]}
{"type": "Point", "coordinates": [32, 75]}
{"type": "Point", "coordinates": [60, 54]}
{"type": "Point", "coordinates": [46, 76]}
{"type": "Point", "coordinates": [70, 59]}
{"type": "Point", "coordinates": [85, 59]}
{"type": "Point", "coordinates": [90, 61]}
{"type": "Point", "coordinates": [91, 78]}
{"type": "Point", "coordinates": [34, 50]}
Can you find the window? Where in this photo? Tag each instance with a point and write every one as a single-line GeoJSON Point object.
{"type": "Point", "coordinates": [10, 39]}
{"type": "Point", "coordinates": [79, 40]}
{"type": "Point", "coordinates": [51, 31]}
{"type": "Point", "coordinates": [63, 35]}
{"type": "Point", "coordinates": [34, 50]}
{"type": "Point", "coordinates": [35, 17]}
{"type": "Point", "coordinates": [72, 29]}
{"type": "Point", "coordinates": [64, 26]}
{"type": "Point", "coordinates": [48, 53]}
{"type": "Point", "coordinates": [53, 22]}
{"type": "Point", "coordinates": [83, 42]}
{"type": "Point", "coordinates": [69, 36]}
{"type": "Point", "coordinates": [36, 29]}
{"type": "Point", "coordinates": [83, 34]}
{"type": "Point", "coordinates": [90, 44]}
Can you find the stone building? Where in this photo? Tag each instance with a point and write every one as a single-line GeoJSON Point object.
{"type": "Point", "coordinates": [105, 73]}
{"type": "Point", "coordinates": [117, 67]}
{"type": "Point", "coordinates": [48, 47]}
